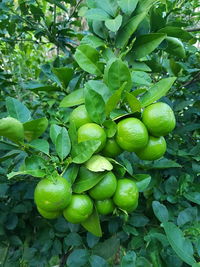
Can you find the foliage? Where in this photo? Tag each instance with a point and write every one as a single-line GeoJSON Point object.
{"type": "Point", "coordinates": [126, 60]}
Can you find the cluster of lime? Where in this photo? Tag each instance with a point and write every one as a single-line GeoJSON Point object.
{"type": "Point", "coordinates": [144, 137]}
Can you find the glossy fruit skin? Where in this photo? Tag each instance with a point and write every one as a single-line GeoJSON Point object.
{"type": "Point", "coordinates": [80, 116]}
{"type": "Point", "coordinates": [126, 195]}
{"type": "Point", "coordinates": [111, 148]}
{"type": "Point", "coordinates": [92, 131]}
{"type": "Point", "coordinates": [79, 209]}
{"type": "Point", "coordinates": [49, 214]}
{"type": "Point", "coordinates": [12, 129]}
{"type": "Point", "coordinates": [105, 188]}
{"type": "Point", "coordinates": [155, 149]}
{"type": "Point", "coordinates": [53, 195]}
{"type": "Point", "coordinates": [131, 134]}
{"type": "Point", "coordinates": [105, 206]}
{"type": "Point", "coordinates": [159, 119]}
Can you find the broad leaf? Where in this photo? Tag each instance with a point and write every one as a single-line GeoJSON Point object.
{"type": "Point", "coordinates": [109, 6]}
{"type": "Point", "coordinates": [73, 99]}
{"type": "Point", "coordinates": [63, 144]}
{"type": "Point", "coordinates": [133, 102]}
{"type": "Point", "coordinates": [143, 181]}
{"type": "Point", "coordinates": [160, 211]}
{"type": "Point", "coordinates": [98, 163]}
{"type": "Point", "coordinates": [55, 130]}
{"type": "Point", "coordinates": [127, 6]}
{"type": "Point", "coordinates": [114, 24]}
{"type": "Point", "coordinates": [177, 32]}
{"type": "Point", "coordinates": [92, 224]}
{"type": "Point", "coordinates": [35, 128]}
{"type": "Point", "coordinates": [34, 173]}
{"type": "Point", "coordinates": [97, 14]}
{"type": "Point", "coordinates": [17, 110]}
{"type": "Point", "coordinates": [157, 91]}
{"type": "Point", "coordinates": [40, 145]}
{"type": "Point", "coordinates": [64, 74]}
{"type": "Point", "coordinates": [87, 58]}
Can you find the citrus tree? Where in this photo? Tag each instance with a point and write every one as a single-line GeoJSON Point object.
{"type": "Point", "coordinates": [100, 145]}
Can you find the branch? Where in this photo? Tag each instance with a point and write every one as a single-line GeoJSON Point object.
{"type": "Point", "coordinates": [194, 79]}
{"type": "Point", "coordinates": [193, 30]}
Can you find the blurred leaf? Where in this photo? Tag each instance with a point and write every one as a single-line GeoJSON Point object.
{"type": "Point", "coordinates": [114, 24]}
{"type": "Point", "coordinates": [133, 102]}
{"type": "Point", "coordinates": [193, 197]}
{"type": "Point", "coordinates": [127, 6]}
{"type": "Point", "coordinates": [92, 224]}
{"type": "Point", "coordinates": [40, 145]}
{"type": "Point", "coordinates": [17, 110]}
{"type": "Point", "coordinates": [97, 14]}
{"type": "Point", "coordinates": [35, 173]}
{"type": "Point", "coordinates": [129, 259]}
{"type": "Point", "coordinates": [160, 211]}
{"type": "Point", "coordinates": [98, 163]}
{"type": "Point", "coordinates": [63, 143]}
{"type": "Point", "coordinates": [73, 99]}
{"type": "Point", "coordinates": [96, 261]}
{"type": "Point", "coordinates": [143, 181]}
{"type": "Point", "coordinates": [35, 128]}
{"type": "Point", "coordinates": [108, 248]}
{"type": "Point", "coordinates": [64, 74]}
{"type": "Point", "coordinates": [78, 257]}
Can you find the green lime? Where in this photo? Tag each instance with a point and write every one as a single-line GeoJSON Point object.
{"type": "Point", "coordinates": [111, 148]}
{"type": "Point", "coordinates": [79, 209]}
{"type": "Point", "coordinates": [159, 119]}
{"type": "Point", "coordinates": [80, 116]}
{"type": "Point", "coordinates": [52, 194]}
{"type": "Point", "coordinates": [49, 214]}
{"type": "Point", "coordinates": [12, 129]}
{"type": "Point", "coordinates": [105, 206]}
{"type": "Point", "coordinates": [155, 149]}
{"type": "Point", "coordinates": [92, 131]}
{"type": "Point", "coordinates": [126, 195]}
{"type": "Point", "coordinates": [105, 188]}
{"type": "Point", "coordinates": [131, 134]}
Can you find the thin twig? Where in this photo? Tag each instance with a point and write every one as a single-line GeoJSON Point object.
{"type": "Point", "coordinates": [193, 30]}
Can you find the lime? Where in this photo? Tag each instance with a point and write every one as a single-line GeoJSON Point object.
{"type": "Point", "coordinates": [49, 214]}
{"type": "Point", "coordinates": [105, 206]}
{"type": "Point", "coordinates": [155, 149]}
{"type": "Point", "coordinates": [126, 195]}
{"type": "Point", "coordinates": [105, 188]}
{"type": "Point", "coordinates": [79, 209]}
{"type": "Point", "coordinates": [131, 134]}
{"type": "Point", "coordinates": [92, 131]}
{"type": "Point", "coordinates": [111, 148]}
{"type": "Point", "coordinates": [159, 119]}
{"type": "Point", "coordinates": [80, 116]}
{"type": "Point", "coordinates": [52, 194]}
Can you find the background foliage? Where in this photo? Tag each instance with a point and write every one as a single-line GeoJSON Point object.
{"type": "Point", "coordinates": [38, 68]}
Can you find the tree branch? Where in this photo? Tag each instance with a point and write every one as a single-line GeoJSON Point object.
{"type": "Point", "coordinates": [193, 30]}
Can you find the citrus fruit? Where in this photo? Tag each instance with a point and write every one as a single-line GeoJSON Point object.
{"type": "Point", "coordinates": [126, 194]}
{"type": "Point", "coordinates": [79, 209]}
{"type": "Point", "coordinates": [49, 214]}
{"type": "Point", "coordinates": [92, 131]}
{"type": "Point", "coordinates": [52, 194]}
{"type": "Point", "coordinates": [159, 119]}
{"type": "Point", "coordinates": [105, 188]}
{"type": "Point", "coordinates": [111, 148]}
{"type": "Point", "coordinates": [155, 149]}
{"type": "Point", "coordinates": [131, 134]}
{"type": "Point", "coordinates": [105, 206]}
{"type": "Point", "coordinates": [12, 129]}
{"type": "Point", "coordinates": [80, 116]}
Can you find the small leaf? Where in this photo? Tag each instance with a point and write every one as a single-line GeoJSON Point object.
{"type": "Point", "coordinates": [86, 180]}
{"type": "Point", "coordinates": [157, 91]}
{"type": "Point", "coordinates": [182, 247]}
{"type": "Point", "coordinates": [87, 58]}
{"type": "Point", "coordinates": [98, 163]}
{"type": "Point", "coordinates": [143, 180]}
{"type": "Point", "coordinates": [55, 130]}
{"type": "Point", "coordinates": [95, 106]}
{"type": "Point", "coordinates": [73, 99]}
{"type": "Point", "coordinates": [63, 144]}
{"type": "Point", "coordinates": [84, 150]}
{"type": "Point", "coordinates": [35, 173]}
{"type": "Point", "coordinates": [133, 102]}
{"type": "Point", "coordinates": [64, 74]}
{"type": "Point", "coordinates": [35, 128]}
{"type": "Point", "coordinates": [97, 14]}
{"type": "Point", "coordinates": [110, 127]}
{"type": "Point", "coordinates": [17, 110]}
{"type": "Point", "coordinates": [114, 24]}
{"type": "Point", "coordinates": [160, 211]}
{"type": "Point", "coordinates": [71, 173]}
{"type": "Point", "coordinates": [40, 145]}
{"type": "Point", "coordinates": [129, 260]}
{"type": "Point", "coordinates": [127, 6]}
{"type": "Point", "coordinates": [93, 41]}
{"type": "Point", "coordinates": [92, 224]}
{"type": "Point", "coordinates": [193, 197]}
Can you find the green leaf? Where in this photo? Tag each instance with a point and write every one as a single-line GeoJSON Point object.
{"type": "Point", "coordinates": [114, 99]}
{"type": "Point", "coordinates": [92, 224]}
{"type": "Point", "coordinates": [57, 3]}
{"type": "Point", "coordinates": [36, 86]}
{"type": "Point", "coordinates": [99, 87]}
{"type": "Point", "coordinates": [88, 58]}
{"type": "Point", "coordinates": [55, 130]}
{"type": "Point", "coordinates": [165, 163]}
{"type": "Point", "coordinates": [98, 163]}
{"type": "Point", "coordinates": [129, 260]}
{"type": "Point", "coordinates": [133, 102]}
{"type": "Point", "coordinates": [97, 14]}
{"type": "Point", "coordinates": [34, 173]}
{"type": "Point", "coordinates": [143, 181]}
{"type": "Point", "coordinates": [84, 150]}
{"type": "Point", "coordinates": [86, 180]}
{"type": "Point", "coordinates": [160, 211]}
{"type": "Point", "coordinates": [93, 41]}
{"type": "Point", "coordinates": [114, 24]}
{"type": "Point", "coordinates": [128, 29]}
{"type": "Point", "coordinates": [108, 6]}
{"type": "Point", "coordinates": [64, 74]}
{"type": "Point", "coordinates": [193, 197]}
{"type": "Point", "coordinates": [110, 127]}
{"type": "Point", "coordinates": [95, 106]}
{"type": "Point", "coordinates": [71, 173]}
{"type": "Point", "coordinates": [175, 47]}
{"type": "Point", "coordinates": [116, 73]}
{"type": "Point", "coordinates": [177, 32]}
{"type": "Point", "coordinates": [108, 248]}
{"type": "Point", "coordinates": [157, 91]}
{"type": "Point", "coordinates": [141, 78]}
{"type": "Point", "coordinates": [35, 128]}
{"type": "Point", "coordinates": [17, 110]}
{"type": "Point", "coordinates": [73, 99]}
{"type": "Point", "coordinates": [78, 257]}
{"type": "Point", "coordinates": [182, 247]}
{"type": "Point", "coordinates": [127, 6]}
{"type": "Point", "coordinates": [96, 261]}
{"type": "Point", "coordinates": [40, 145]}
{"type": "Point", "coordinates": [145, 44]}
{"type": "Point", "coordinates": [63, 144]}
